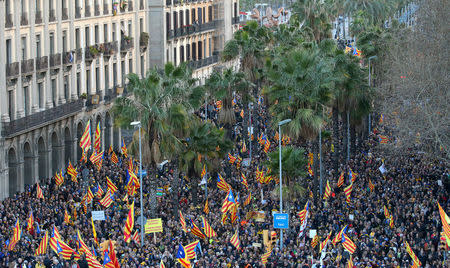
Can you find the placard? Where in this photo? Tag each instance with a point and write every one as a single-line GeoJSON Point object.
{"type": "Point", "coordinates": [312, 233]}
{"type": "Point", "coordinates": [98, 215]}
{"type": "Point", "coordinates": [257, 245]}
{"type": "Point", "coordinates": [153, 226]}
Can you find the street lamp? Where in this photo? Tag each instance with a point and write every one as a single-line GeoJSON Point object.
{"type": "Point", "coordinates": [285, 121]}
{"type": "Point", "coordinates": [370, 58]}
{"type": "Point", "coordinates": [250, 107]}
{"type": "Point", "coordinates": [137, 124]}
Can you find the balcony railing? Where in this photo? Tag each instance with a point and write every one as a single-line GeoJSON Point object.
{"type": "Point", "coordinates": [206, 26]}
{"type": "Point", "coordinates": [79, 53]}
{"type": "Point", "coordinates": [52, 15]}
{"type": "Point", "coordinates": [110, 48]}
{"type": "Point", "coordinates": [55, 60]}
{"type": "Point", "coordinates": [8, 21]}
{"type": "Point", "coordinates": [65, 14]}
{"type": "Point", "coordinates": [42, 63]}
{"type": "Point", "coordinates": [89, 55]}
{"type": "Point", "coordinates": [38, 17]}
{"type": "Point", "coordinates": [126, 44]}
{"type": "Point", "coordinates": [42, 118]}
{"type": "Point", "coordinates": [130, 5]}
{"type": "Point", "coordinates": [105, 9]}
{"type": "Point", "coordinates": [27, 66]}
{"type": "Point", "coordinates": [203, 62]}
{"type": "Point", "coordinates": [87, 11]}
{"type": "Point", "coordinates": [12, 69]}
{"type": "Point", "coordinates": [24, 19]}
{"type": "Point", "coordinates": [68, 57]}
{"type": "Point", "coordinates": [191, 29]}
{"type": "Point", "coordinates": [235, 20]}
{"type": "Point", "coordinates": [77, 12]}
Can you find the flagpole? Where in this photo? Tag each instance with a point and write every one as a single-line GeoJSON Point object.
{"type": "Point", "coordinates": [281, 179]}
{"type": "Point", "coordinates": [138, 124]}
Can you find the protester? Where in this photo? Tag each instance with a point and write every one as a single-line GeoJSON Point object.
{"type": "Point", "coordinates": [410, 188]}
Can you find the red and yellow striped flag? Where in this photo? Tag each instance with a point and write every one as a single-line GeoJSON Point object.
{"type": "Point", "coordinates": [206, 209]}
{"type": "Point", "coordinates": [248, 199]}
{"type": "Point", "coordinates": [265, 256]}
{"type": "Point", "coordinates": [235, 240]}
{"type": "Point", "coordinates": [350, 262]}
{"type": "Point", "coordinates": [99, 192]}
{"type": "Point", "coordinates": [97, 142]}
{"type": "Point", "coordinates": [66, 217]}
{"type": "Point", "coordinates": [341, 180]}
{"type": "Point", "coordinates": [190, 250]}
{"type": "Point", "coordinates": [203, 173]}
{"type": "Point", "coordinates": [207, 228]}
{"type": "Point", "coordinates": [129, 224]}
{"type": "Point", "coordinates": [107, 200]}
{"type": "Point", "coordinates": [92, 261]}
{"type": "Point", "coordinates": [114, 158]}
{"type": "Point", "coordinates": [183, 222]}
{"type": "Point", "coordinates": [327, 191]}
{"type": "Point", "coordinates": [161, 264]}
{"type": "Point", "coordinates": [94, 233]}
{"type": "Point", "coordinates": [85, 141]}
{"type": "Point", "coordinates": [39, 193]}
{"type": "Point", "coordinates": [42, 249]}
{"type": "Point", "coordinates": [72, 172]}
{"type": "Point", "coordinates": [348, 192]}
{"type": "Point", "coordinates": [315, 241]}
{"type": "Point", "coordinates": [135, 238]}
{"type": "Point", "coordinates": [81, 245]}
{"type": "Point", "coordinates": [348, 244]}
{"type": "Point", "coordinates": [444, 220]}
{"type": "Point", "coordinates": [324, 242]}
{"type": "Point", "coordinates": [371, 186]}
{"type": "Point", "coordinates": [59, 179]}
{"type": "Point", "coordinates": [16, 236]}
{"type": "Point", "coordinates": [196, 231]}
{"type": "Point", "coordinates": [30, 222]}
{"type": "Point", "coordinates": [111, 187]}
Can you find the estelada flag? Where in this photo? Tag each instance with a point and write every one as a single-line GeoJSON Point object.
{"type": "Point", "coordinates": [42, 249]}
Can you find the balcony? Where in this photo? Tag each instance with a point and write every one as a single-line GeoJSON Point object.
{"type": "Point", "coordinates": [27, 66]}
{"type": "Point", "coordinates": [87, 11]}
{"type": "Point", "coordinates": [68, 58]}
{"type": "Point", "coordinates": [90, 53]}
{"type": "Point", "coordinates": [105, 9]}
{"type": "Point", "coordinates": [38, 18]}
{"type": "Point", "coordinates": [65, 14]}
{"type": "Point", "coordinates": [12, 69]}
{"type": "Point", "coordinates": [235, 20]}
{"type": "Point", "coordinates": [97, 10]}
{"type": "Point", "coordinates": [79, 54]}
{"type": "Point", "coordinates": [55, 60]}
{"type": "Point", "coordinates": [126, 44]}
{"type": "Point", "coordinates": [130, 5]}
{"type": "Point", "coordinates": [41, 119]}
{"type": "Point", "coordinates": [24, 19]}
{"type": "Point", "coordinates": [110, 49]}
{"type": "Point", "coordinates": [203, 62]}
{"type": "Point", "coordinates": [206, 26]}
{"type": "Point", "coordinates": [52, 15]}
{"type": "Point", "coordinates": [42, 63]}
{"type": "Point", "coordinates": [8, 21]}
{"type": "Point", "coordinates": [78, 12]}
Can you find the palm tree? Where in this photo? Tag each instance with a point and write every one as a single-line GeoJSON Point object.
{"type": "Point", "coordinates": [161, 101]}
{"type": "Point", "coordinates": [249, 44]}
{"type": "Point", "coordinates": [293, 163]}
{"type": "Point", "coordinates": [222, 85]}
{"type": "Point", "coordinates": [203, 141]}
{"type": "Point", "coordinates": [313, 17]}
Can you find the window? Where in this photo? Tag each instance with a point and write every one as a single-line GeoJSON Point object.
{"type": "Point", "coordinates": [64, 41]}
{"type": "Point", "coordinates": [187, 16]}
{"type": "Point", "coordinates": [141, 24]}
{"type": "Point", "coordinates": [78, 84]}
{"type": "Point", "coordinates": [23, 7]}
{"type": "Point", "coordinates": [235, 10]}
{"type": "Point", "coordinates": [54, 95]}
{"type": "Point", "coordinates": [106, 77]}
{"type": "Point", "coordinates": [210, 49]}
{"type": "Point", "coordinates": [115, 74]}
{"type": "Point", "coordinates": [130, 28]}
{"type": "Point", "coordinates": [204, 48]}
{"type": "Point", "coordinates": [194, 51]}
{"type": "Point", "coordinates": [181, 54]}
{"type": "Point", "coordinates": [40, 95]}
{"type": "Point", "coordinates": [181, 19]}
{"type": "Point", "coordinates": [200, 49]}
{"type": "Point", "coordinates": [50, 5]}
{"type": "Point", "coordinates": [52, 43]}
{"type": "Point", "coordinates": [188, 52]}
{"type": "Point", "coordinates": [11, 104]}
{"type": "Point", "coordinates": [77, 38]}
{"type": "Point", "coordinates": [204, 15]}
{"type": "Point", "coordinates": [122, 29]}
{"type": "Point", "coordinates": [24, 48]}
{"type": "Point", "coordinates": [96, 34]}
{"type": "Point", "coordinates": [199, 15]}
{"type": "Point", "coordinates": [8, 51]}
{"type": "Point", "coordinates": [97, 79]}
{"type": "Point", "coordinates": [122, 67]}
{"type": "Point", "coordinates": [193, 19]}
{"type": "Point", "coordinates": [175, 56]}
{"type": "Point", "coordinates": [142, 66]}
{"type": "Point", "coordinates": [175, 20]}
{"type": "Point", "coordinates": [26, 101]}
{"type": "Point", "coordinates": [8, 6]}
{"type": "Point", "coordinates": [114, 38]}
{"type": "Point", "coordinates": [86, 37]}
{"type": "Point", "coordinates": [130, 66]}
{"type": "Point", "coordinates": [210, 14]}
{"type": "Point", "coordinates": [38, 46]}
{"type": "Point", "coordinates": [38, 5]}
{"type": "Point", "coordinates": [66, 87]}
{"type": "Point", "coordinates": [105, 33]}
{"type": "Point", "coordinates": [88, 82]}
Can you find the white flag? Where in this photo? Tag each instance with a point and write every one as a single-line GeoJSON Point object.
{"type": "Point", "coordinates": [382, 169]}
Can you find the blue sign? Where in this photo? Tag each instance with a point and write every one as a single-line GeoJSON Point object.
{"type": "Point", "coordinates": [144, 173]}
{"type": "Point", "coordinates": [280, 220]}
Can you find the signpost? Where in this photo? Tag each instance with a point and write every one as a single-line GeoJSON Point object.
{"type": "Point", "coordinates": [280, 221]}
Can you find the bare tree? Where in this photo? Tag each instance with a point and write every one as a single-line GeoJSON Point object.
{"type": "Point", "coordinates": [415, 90]}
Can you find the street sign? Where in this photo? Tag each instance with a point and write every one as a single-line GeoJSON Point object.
{"type": "Point", "coordinates": [280, 220]}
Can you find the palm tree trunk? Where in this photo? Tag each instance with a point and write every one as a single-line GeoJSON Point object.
{"type": "Point", "coordinates": [315, 145]}
{"type": "Point", "coordinates": [335, 139]}
{"type": "Point", "coordinates": [176, 190]}
{"type": "Point", "coordinates": [352, 139]}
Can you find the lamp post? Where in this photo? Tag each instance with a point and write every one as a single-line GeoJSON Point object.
{"type": "Point", "coordinates": [370, 81]}
{"type": "Point", "coordinates": [285, 121]}
{"type": "Point", "coordinates": [250, 107]}
{"type": "Point", "coordinates": [138, 125]}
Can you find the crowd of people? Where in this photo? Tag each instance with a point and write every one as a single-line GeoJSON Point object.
{"type": "Point", "coordinates": [410, 188]}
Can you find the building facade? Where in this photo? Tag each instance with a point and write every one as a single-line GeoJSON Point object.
{"type": "Point", "coordinates": [64, 62]}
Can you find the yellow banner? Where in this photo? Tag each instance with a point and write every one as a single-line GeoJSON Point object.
{"type": "Point", "coordinates": [153, 226]}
